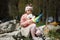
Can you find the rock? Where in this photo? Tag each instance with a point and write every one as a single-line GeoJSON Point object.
{"type": "Point", "coordinates": [10, 29]}
{"type": "Point", "coordinates": [4, 24]}
{"type": "Point", "coordinates": [0, 21]}
{"type": "Point", "coordinates": [7, 38]}
{"type": "Point", "coordinates": [8, 26]}
{"type": "Point", "coordinates": [13, 21]}
{"type": "Point", "coordinates": [54, 23]}
{"type": "Point", "coordinates": [8, 22]}
{"type": "Point", "coordinates": [51, 27]}
{"type": "Point", "coordinates": [18, 27]}
{"type": "Point", "coordinates": [40, 39]}
{"type": "Point", "coordinates": [13, 34]}
{"type": "Point", "coordinates": [48, 38]}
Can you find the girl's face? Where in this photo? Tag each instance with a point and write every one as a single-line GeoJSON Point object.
{"type": "Point", "coordinates": [28, 11]}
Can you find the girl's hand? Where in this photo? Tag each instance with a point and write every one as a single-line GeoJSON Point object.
{"type": "Point", "coordinates": [30, 21]}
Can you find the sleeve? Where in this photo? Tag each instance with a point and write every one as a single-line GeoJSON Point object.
{"type": "Point", "coordinates": [24, 22]}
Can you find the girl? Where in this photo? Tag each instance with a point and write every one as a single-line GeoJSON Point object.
{"type": "Point", "coordinates": [26, 22]}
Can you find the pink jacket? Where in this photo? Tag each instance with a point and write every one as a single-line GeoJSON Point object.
{"type": "Point", "coordinates": [25, 21]}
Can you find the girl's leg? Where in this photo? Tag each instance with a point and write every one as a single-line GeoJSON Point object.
{"type": "Point", "coordinates": [33, 30]}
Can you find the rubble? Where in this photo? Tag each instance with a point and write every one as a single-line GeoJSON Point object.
{"type": "Point", "coordinates": [10, 30]}
{"type": "Point", "coordinates": [8, 26]}
{"type": "Point", "coordinates": [7, 38]}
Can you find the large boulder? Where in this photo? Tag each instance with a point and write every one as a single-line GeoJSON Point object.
{"type": "Point", "coordinates": [8, 26]}
{"type": "Point", "coordinates": [7, 38]}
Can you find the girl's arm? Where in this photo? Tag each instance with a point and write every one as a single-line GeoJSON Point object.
{"type": "Point", "coordinates": [25, 22]}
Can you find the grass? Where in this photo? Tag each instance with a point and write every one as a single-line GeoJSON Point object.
{"type": "Point", "coordinates": [55, 34]}
{"type": "Point", "coordinates": [40, 24]}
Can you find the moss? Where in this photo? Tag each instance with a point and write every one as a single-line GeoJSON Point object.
{"type": "Point", "coordinates": [40, 24]}
{"type": "Point", "coordinates": [54, 34]}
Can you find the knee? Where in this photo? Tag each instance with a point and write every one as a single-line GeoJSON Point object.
{"type": "Point", "coordinates": [34, 25]}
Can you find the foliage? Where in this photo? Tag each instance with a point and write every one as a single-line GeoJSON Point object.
{"type": "Point", "coordinates": [54, 34]}
{"type": "Point", "coordinates": [40, 24]}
